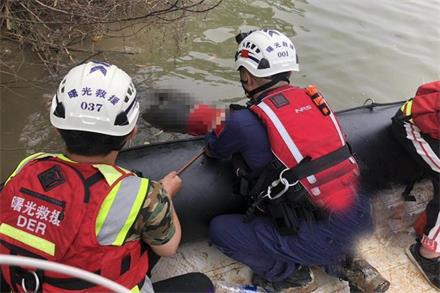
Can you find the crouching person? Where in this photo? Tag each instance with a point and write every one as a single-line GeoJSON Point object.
{"type": "Point", "coordinates": [417, 127]}
{"type": "Point", "coordinates": [79, 208]}
{"type": "Point", "coordinates": [297, 173]}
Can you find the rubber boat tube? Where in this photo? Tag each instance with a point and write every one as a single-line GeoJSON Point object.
{"type": "Point", "coordinates": [207, 184]}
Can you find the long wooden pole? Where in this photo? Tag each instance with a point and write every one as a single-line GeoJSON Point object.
{"type": "Point", "coordinates": [190, 162]}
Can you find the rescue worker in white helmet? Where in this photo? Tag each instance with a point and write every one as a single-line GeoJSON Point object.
{"type": "Point", "coordinates": [81, 209]}
{"type": "Point", "coordinates": [297, 174]}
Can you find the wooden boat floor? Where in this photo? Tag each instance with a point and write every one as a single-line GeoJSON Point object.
{"type": "Point", "coordinates": [384, 249]}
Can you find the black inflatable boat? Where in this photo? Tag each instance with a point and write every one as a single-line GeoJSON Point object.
{"type": "Point", "coordinates": [207, 184]}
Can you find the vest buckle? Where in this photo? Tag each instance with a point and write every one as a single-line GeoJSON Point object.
{"type": "Point", "coordinates": [280, 180]}
{"type": "Point", "coordinates": [37, 283]}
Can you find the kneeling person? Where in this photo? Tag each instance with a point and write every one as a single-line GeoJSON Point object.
{"type": "Point", "coordinates": [297, 172]}
{"type": "Point", "coordinates": [80, 208]}
{"type": "Point", "coordinates": [417, 128]}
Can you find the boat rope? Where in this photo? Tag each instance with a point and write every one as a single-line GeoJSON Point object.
{"type": "Point", "coordinates": [370, 104]}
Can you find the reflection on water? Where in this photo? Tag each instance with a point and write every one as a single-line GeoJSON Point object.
{"type": "Point", "coordinates": [352, 50]}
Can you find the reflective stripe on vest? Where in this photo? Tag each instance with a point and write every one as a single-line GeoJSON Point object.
{"type": "Point", "coordinates": [407, 109]}
{"type": "Point", "coordinates": [111, 174]}
{"type": "Point", "coordinates": [285, 135]}
{"type": "Point", "coordinates": [119, 210]}
{"type": "Point", "coordinates": [28, 239]}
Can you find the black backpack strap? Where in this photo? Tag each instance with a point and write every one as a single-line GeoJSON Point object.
{"type": "Point", "coordinates": [305, 168]}
{"type": "Point", "coordinates": [309, 167]}
{"type": "Point", "coordinates": [95, 178]}
{"type": "Point", "coordinates": [70, 283]}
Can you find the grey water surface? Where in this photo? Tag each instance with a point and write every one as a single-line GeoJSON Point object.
{"type": "Point", "coordinates": [352, 50]}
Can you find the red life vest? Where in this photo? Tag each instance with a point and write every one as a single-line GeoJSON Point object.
{"type": "Point", "coordinates": [71, 213]}
{"type": "Point", "coordinates": [299, 128]}
{"type": "Point", "coordinates": [424, 109]}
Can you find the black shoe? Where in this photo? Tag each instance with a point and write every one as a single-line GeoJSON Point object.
{"type": "Point", "coordinates": [430, 268]}
{"type": "Point", "coordinates": [363, 277]}
{"type": "Point", "coordinates": [302, 278]}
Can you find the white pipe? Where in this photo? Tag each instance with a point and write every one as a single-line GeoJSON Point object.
{"type": "Point", "coordinates": [64, 269]}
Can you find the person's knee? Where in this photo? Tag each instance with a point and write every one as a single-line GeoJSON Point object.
{"type": "Point", "coordinates": [218, 230]}
{"type": "Point", "coordinates": [226, 233]}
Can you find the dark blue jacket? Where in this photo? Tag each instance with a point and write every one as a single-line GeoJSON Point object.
{"type": "Point", "coordinates": [243, 133]}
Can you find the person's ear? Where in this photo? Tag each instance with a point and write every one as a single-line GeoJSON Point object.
{"type": "Point", "coordinates": [252, 82]}
{"type": "Point", "coordinates": [245, 77]}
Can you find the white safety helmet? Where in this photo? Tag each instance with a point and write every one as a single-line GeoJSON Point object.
{"type": "Point", "coordinates": [96, 97]}
{"type": "Point", "coordinates": [265, 53]}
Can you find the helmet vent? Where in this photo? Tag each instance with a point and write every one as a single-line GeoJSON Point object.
{"type": "Point", "coordinates": [63, 82]}
{"type": "Point", "coordinates": [62, 90]}
{"type": "Point", "coordinates": [60, 112]}
{"type": "Point", "coordinates": [264, 64]}
{"type": "Point", "coordinates": [126, 99]}
{"type": "Point", "coordinates": [129, 91]}
{"type": "Point", "coordinates": [121, 119]}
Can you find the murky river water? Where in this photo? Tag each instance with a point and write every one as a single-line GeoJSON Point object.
{"type": "Point", "coordinates": [352, 50]}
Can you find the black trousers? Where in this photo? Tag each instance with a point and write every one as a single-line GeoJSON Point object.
{"type": "Point", "coordinates": [191, 282]}
{"type": "Point", "coordinates": [425, 151]}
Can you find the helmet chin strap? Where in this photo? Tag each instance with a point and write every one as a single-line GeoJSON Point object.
{"type": "Point", "coordinates": [250, 94]}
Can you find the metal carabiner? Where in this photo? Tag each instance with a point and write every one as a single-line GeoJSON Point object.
{"type": "Point", "coordinates": [281, 178]}
{"type": "Point", "coordinates": [269, 188]}
{"type": "Point", "coordinates": [37, 283]}
{"type": "Point", "coordinates": [279, 194]}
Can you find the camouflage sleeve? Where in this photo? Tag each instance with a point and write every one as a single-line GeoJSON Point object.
{"type": "Point", "coordinates": [155, 221]}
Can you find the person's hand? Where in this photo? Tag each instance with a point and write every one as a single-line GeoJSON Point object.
{"type": "Point", "coordinates": [172, 183]}
{"type": "Point", "coordinates": [207, 152]}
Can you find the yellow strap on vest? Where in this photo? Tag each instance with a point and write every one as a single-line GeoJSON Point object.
{"type": "Point", "coordinates": [407, 108]}
{"type": "Point", "coordinates": [64, 158]}
{"type": "Point", "coordinates": [28, 239]}
{"type": "Point", "coordinates": [135, 289]}
{"type": "Point", "coordinates": [25, 161]}
{"type": "Point", "coordinates": [111, 174]}
{"type": "Point", "coordinates": [34, 157]}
